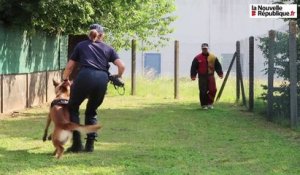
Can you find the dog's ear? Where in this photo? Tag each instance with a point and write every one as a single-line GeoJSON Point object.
{"type": "Point", "coordinates": [55, 83]}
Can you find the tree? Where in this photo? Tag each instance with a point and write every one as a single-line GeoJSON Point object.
{"type": "Point", "coordinates": [297, 2]}
{"type": "Point", "coordinates": [281, 68]}
{"type": "Point", "coordinates": [281, 63]}
{"type": "Point", "coordinates": [124, 19]}
{"type": "Point", "coordinates": [281, 106]}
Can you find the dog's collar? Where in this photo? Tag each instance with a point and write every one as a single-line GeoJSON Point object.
{"type": "Point", "coordinates": [59, 102]}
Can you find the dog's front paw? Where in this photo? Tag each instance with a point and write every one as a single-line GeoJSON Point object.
{"type": "Point", "coordinates": [44, 138]}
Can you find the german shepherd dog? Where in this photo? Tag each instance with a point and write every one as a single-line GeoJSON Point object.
{"type": "Point", "coordinates": [60, 116]}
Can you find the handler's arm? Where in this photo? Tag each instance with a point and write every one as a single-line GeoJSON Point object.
{"type": "Point", "coordinates": [69, 68]}
{"type": "Point", "coordinates": [194, 69]}
{"type": "Point", "coordinates": [121, 67]}
{"type": "Point", "coordinates": [218, 68]}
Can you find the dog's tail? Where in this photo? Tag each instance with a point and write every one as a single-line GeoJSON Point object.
{"type": "Point", "coordinates": [81, 128]}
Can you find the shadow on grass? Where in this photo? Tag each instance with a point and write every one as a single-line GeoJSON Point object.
{"type": "Point", "coordinates": [141, 160]}
{"type": "Point", "coordinates": [31, 125]}
{"type": "Point", "coordinates": [15, 161]}
{"type": "Point", "coordinates": [26, 161]}
{"type": "Point", "coordinates": [175, 136]}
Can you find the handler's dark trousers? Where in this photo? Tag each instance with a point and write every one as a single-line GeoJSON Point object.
{"type": "Point", "coordinates": [207, 89]}
{"type": "Point", "coordinates": [92, 84]}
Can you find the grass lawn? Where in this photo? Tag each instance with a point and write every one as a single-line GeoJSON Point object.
{"type": "Point", "coordinates": [153, 134]}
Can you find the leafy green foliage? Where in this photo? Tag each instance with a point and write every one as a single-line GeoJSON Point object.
{"type": "Point", "coordinates": [17, 11]}
{"type": "Point", "coordinates": [139, 19]}
{"type": "Point", "coordinates": [281, 49]}
{"type": "Point", "coordinates": [288, 2]}
{"type": "Point", "coordinates": [124, 19]}
{"type": "Point", "coordinates": [281, 68]}
{"type": "Point", "coordinates": [281, 62]}
{"type": "Point", "coordinates": [61, 16]}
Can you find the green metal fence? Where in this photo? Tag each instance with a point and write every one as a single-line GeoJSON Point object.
{"type": "Point", "coordinates": [29, 62]}
{"type": "Point", "coordinates": [23, 52]}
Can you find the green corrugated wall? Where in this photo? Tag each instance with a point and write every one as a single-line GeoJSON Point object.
{"type": "Point", "coordinates": [21, 52]}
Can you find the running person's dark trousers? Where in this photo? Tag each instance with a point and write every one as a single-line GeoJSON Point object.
{"type": "Point", "coordinates": [207, 89]}
{"type": "Point", "coordinates": [90, 84]}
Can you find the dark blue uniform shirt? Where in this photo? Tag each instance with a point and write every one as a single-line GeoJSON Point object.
{"type": "Point", "coordinates": [96, 55]}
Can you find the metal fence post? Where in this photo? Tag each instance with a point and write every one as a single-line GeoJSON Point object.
{"type": "Point", "coordinates": [176, 56]}
{"type": "Point", "coordinates": [242, 84]}
{"type": "Point", "coordinates": [251, 73]}
{"type": "Point", "coordinates": [47, 78]}
{"type": "Point", "coordinates": [238, 56]}
{"type": "Point", "coordinates": [271, 72]}
{"type": "Point", "coordinates": [226, 77]}
{"type": "Point", "coordinates": [293, 73]}
{"type": "Point", "coordinates": [1, 93]}
{"type": "Point", "coordinates": [133, 67]}
{"type": "Point", "coordinates": [27, 90]}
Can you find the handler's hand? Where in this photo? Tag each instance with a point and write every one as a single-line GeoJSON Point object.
{"type": "Point", "coordinates": [221, 76]}
{"type": "Point", "coordinates": [67, 82]}
{"type": "Point", "coordinates": [193, 78]}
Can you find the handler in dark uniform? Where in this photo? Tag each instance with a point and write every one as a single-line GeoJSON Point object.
{"type": "Point", "coordinates": [93, 56]}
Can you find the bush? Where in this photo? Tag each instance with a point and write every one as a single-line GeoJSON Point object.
{"type": "Point", "coordinates": [281, 106]}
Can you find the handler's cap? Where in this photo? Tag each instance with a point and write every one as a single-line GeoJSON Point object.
{"type": "Point", "coordinates": [97, 27]}
{"type": "Point", "coordinates": [204, 45]}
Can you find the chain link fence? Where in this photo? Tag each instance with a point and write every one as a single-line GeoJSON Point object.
{"type": "Point", "coordinates": [274, 71]}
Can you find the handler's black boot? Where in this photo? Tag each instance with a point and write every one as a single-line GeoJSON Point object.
{"type": "Point", "coordinates": [77, 144]}
{"type": "Point", "coordinates": [89, 145]}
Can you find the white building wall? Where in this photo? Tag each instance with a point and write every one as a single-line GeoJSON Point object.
{"type": "Point", "coordinates": [218, 22]}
